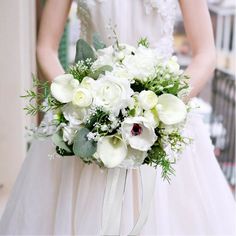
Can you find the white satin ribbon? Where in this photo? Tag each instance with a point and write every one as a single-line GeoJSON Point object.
{"type": "Point", "coordinates": [112, 204]}
{"type": "Point", "coordinates": [114, 195]}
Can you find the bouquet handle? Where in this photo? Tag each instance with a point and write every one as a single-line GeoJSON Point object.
{"type": "Point", "coordinates": [114, 195]}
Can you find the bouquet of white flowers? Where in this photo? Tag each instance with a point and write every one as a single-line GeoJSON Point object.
{"type": "Point", "coordinates": [117, 106]}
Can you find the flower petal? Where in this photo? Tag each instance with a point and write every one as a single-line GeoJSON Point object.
{"type": "Point", "coordinates": [112, 150]}
{"type": "Point", "coordinates": [171, 110]}
{"type": "Point", "coordinates": [63, 86]}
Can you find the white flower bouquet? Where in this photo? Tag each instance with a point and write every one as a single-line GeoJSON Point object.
{"type": "Point", "coordinates": [117, 106]}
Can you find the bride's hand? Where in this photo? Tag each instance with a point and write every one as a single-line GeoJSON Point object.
{"type": "Point", "coordinates": [200, 34]}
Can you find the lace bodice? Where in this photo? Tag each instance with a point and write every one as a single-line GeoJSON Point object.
{"type": "Point", "coordinates": [134, 19]}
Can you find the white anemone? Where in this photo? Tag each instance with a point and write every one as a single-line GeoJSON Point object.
{"type": "Point", "coordinates": [138, 133]}
{"type": "Point", "coordinates": [171, 110]}
{"type": "Point", "coordinates": [63, 87]}
{"type": "Point", "coordinates": [112, 150]}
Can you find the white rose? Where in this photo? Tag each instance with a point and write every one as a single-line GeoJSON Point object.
{"type": "Point", "coordinates": [112, 93]}
{"type": "Point", "coordinates": [133, 159]}
{"type": "Point", "coordinates": [69, 134]}
{"type": "Point", "coordinates": [173, 65]}
{"type": "Point", "coordinates": [148, 99]}
{"type": "Point", "coordinates": [152, 117]}
{"type": "Point", "coordinates": [82, 97]}
{"type": "Point", "coordinates": [112, 150]}
{"type": "Point", "coordinates": [74, 114]}
{"type": "Point", "coordinates": [171, 110]}
{"type": "Point", "coordinates": [142, 64]}
{"type": "Point", "coordinates": [87, 82]}
{"type": "Point", "coordinates": [138, 133]}
{"type": "Point", "coordinates": [63, 87]}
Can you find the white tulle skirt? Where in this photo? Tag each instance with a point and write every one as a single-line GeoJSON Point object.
{"type": "Point", "coordinates": [65, 197]}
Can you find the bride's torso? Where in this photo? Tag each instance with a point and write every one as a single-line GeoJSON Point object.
{"type": "Point", "coordinates": [134, 19]}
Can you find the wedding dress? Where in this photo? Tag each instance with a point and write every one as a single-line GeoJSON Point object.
{"type": "Point", "coordinates": [63, 196]}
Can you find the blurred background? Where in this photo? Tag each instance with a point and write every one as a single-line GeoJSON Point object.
{"type": "Point", "coordinates": [19, 23]}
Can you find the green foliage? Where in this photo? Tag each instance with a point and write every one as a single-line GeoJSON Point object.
{"type": "Point", "coordinates": [58, 141]}
{"type": "Point", "coordinates": [144, 42]}
{"type": "Point", "coordinates": [163, 82]}
{"type": "Point", "coordinates": [158, 157]}
{"type": "Point", "coordinates": [40, 98]}
{"type": "Point", "coordinates": [98, 117]}
{"type": "Point", "coordinates": [84, 51]}
{"type": "Point", "coordinates": [80, 69]}
{"type": "Point", "coordinates": [97, 42]}
{"type": "Point", "coordinates": [83, 147]}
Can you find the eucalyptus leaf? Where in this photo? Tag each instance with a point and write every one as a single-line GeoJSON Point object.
{"type": "Point", "coordinates": [97, 42]}
{"type": "Point", "coordinates": [58, 141]}
{"type": "Point", "coordinates": [100, 71]}
{"type": "Point", "coordinates": [83, 51]}
{"type": "Point", "coordinates": [83, 147]}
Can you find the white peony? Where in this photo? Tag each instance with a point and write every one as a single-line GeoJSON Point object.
{"type": "Point", "coordinates": [112, 93]}
{"type": "Point", "coordinates": [104, 57]}
{"type": "Point", "coordinates": [74, 114]}
{"type": "Point", "coordinates": [147, 99]}
{"type": "Point", "coordinates": [112, 150]}
{"type": "Point", "coordinates": [82, 97]}
{"type": "Point", "coordinates": [142, 64]}
{"type": "Point", "coordinates": [111, 55]}
{"type": "Point", "coordinates": [138, 133]}
{"type": "Point", "coordinates": [171, 110]}
{"type": "Point", "coordinates": [63, 87]}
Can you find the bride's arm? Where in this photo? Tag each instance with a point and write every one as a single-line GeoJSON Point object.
{"type": "Point", "coordinates": [52, 25]}
{"type": "Point", "coordinates": [199, 32]}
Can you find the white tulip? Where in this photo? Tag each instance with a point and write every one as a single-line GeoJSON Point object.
{"type": "Point", "coordinates": [112, 150]}
{"type": "Point", "coordinates": [171, 110]}
{"type": "Point", "coordinates": [147, 99]}
{"type": "Point", "coordinates": [82, 97]}
{"type": "Point", "coordinates": [138, 133]}
{"type": "Point", "coordinates": [63, 87]}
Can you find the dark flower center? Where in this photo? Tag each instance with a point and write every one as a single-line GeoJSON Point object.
{"type": "Point", "coordinates": [136, 130]}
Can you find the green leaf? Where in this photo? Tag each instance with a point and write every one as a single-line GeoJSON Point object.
{"type": "Point", "coordinates": [97, 42]}
{"type": "Point", "coordinates": [58, 141]}
{"type": "Point", "coordinates": [83, 51]}
{"type": "Point", "coordinates": [100, 71]}
{"type": "Point", "coordinates": [83, 147]}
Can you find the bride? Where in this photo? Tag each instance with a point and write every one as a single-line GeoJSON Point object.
{"type": "Point", "coordinates": [65, 197]}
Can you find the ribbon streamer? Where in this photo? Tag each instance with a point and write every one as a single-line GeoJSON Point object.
{"type": "Point", "coordinates": [114, 195]}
